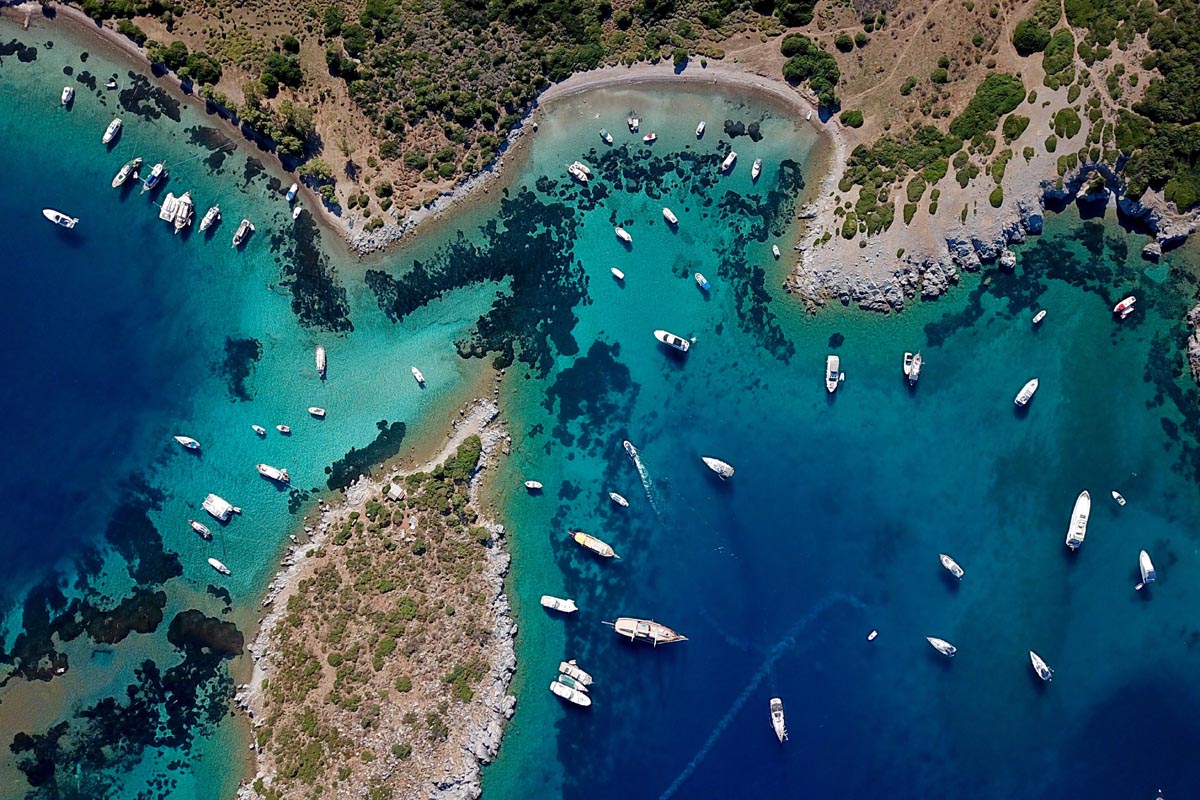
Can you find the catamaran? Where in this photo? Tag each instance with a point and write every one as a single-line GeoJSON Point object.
{"type": "Point", "coordinates": [1026, 394]}
{"type": "Point", "coordinates": [559, 604]}
{"type": "Point", "coordinates": [590, 542]}
{"type": "Point", "coordinates": [68, 95]}
{"type": "Point", "coordinates": [606, 136]}
{"type": "Point", "coordinates": [243, 232]}
{"type": "Point", "coordinates": [645, 630]}
{"type": "Point", "coordinates": [218, 507]}
{"type": "Point", "coordinates": [833, 373]}
{"type": "Point", "coordinates": [756, 169]}
{"type": "Point", "coordinates": [942, 646]}
{"type": "Point", "coordinates": [157, 173]}
{"type": "Point", "coordinates": [569, 692]}
{"type": "Point", "coordinates": [951, 565]}
{"type": "Point", "coordinates": [669, 216]}
{"type": "Point", "coordinates": [618, 499]}
{"type": "Point", "coordinates": [573, 671]}
{"type": "Point", "coordinates": [671, 340]}
{"type": "Point", "coordinates": [912, 367]}
{"type": "Point", "coordinates": [112, 131]}
{"type": "Point", "coordinates": [1077, 530]}
{"type": "Point", "coordinates": [623, 235]}
{"type": "Point", "coordinates": [129, 170]}
{"type": "Point", "coordinates": [275, 474]}
{"type": "Point", "coordinates": [211, 216]}
{"type": "Point", "coordinates": [702, 282]}
{"type": "Point", "coordinates": [59, 218]}
{"type": "Point", "coordinates": [218, 566]}
{"type": "Point", "coordinates": [777, 721]}
{"type": "Point", "coordinates": [633, 123]}
{"type": "Point", "coordinates": [201, 529]}
{"type": "Point", "coordinates": [718, 466]}
{"type": "Point", "coordinates": [188, 442]}
{"type": "Point", "coordinates": [727, 164]}
{"type": "Point", "coordinates": [319, 354]}
{"type": "Point", "coordinates": [1040, 666]}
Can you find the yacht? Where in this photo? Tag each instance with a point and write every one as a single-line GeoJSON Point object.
{"type": "Point", "coordinates": [284, 429]}
{"type": "Point", "coordinates": [702, 282]}
{"type": "Point", "coordinates": [633, 123]}
{"type": "Point", "coordinates": [616, 273]}
{"type": "Point", "coordinates": [777, 721]}
{"type": "Point", "coordinates": [570, 694]}
{"type": "Point", "coordinates": [1041, 667]}
{"type": "Point", "coordinates": [1125, 305]}
{"type": "Point", "coordinates": [912, 367]}
{"type": "Point", "coordinates": [130, 169]}
{"type": "Point", "coordinates": [60, 219]}
{"type": "Point", "coordinates": [533, 486]}
{"type": "Point", "coordinates": [592, 543]}
{"type": "Point", "coordinates": [68, 95]}
{"type": "Point", "coordinates": [650, 138]}
{"type": "Point", "coordinates": [1079, 520]}
{"type": "Point", "coordinates": [573, 671]}
{"type": "Point", "coordinates": [1026, 394]}
{"type": "Point", "coordinates": [618, 499]}
{"type": "Point", "coordinates": [279, 475]}
{"type": "Point", "coordinates": [243, 232]}
{"type": "Point", "coordinates": [941, 645]}
{"type": "Point", "coordinates": [259, 429]}
{"type": "Point", "coordinates": [700, 130]}
{"type": "Point", "coordinates": [157, 173]}
{"type": "Point", "coordinates": [317, 412]}
{"type": "Point", "coordinates": [319, 354]}
{"type": "Point", "coordinates": [630, 450]}
{"type": "Point", "coordinates": [623, 235]}
{"type": "Point", "coordinates": [201, 529]}
{"type": "Point", "coordinates": [292, 191]}
{"type": "Point", "coordinates": [645, 630]}
{"type": "Point", "coordinates": [575, 171]}
{"type": "Point", "coordinates": [112, 131]}
{"type": "Point", "coordinates": [559, 604]}
{"type": "Point", "coordinates": [833, 373]}
{"type": "Point", "coordinates": [188, 442]}
{"type": "Point", "coordinates": [951, 565]}
{"type": "Point", "coordinates": [185, 212]}
{"type": "Point", "coordinates": [669, 216]}
{"type": "Point", "coordinates": [1117, 496]}
{"type": "Point", "coordinates": [775, 251]}
{"type": "Point", "coordinates": [606, 136]}
{"type": "Point", "coordinates": [416, 373]}
{"type": "Point", "coordinates": [671, 340]}
{"type": "Point", "coordinates": [718, 466]}
{"type": "Point", "coordinates": [211, 216]}
{"type": "Point", "coordinates": [727, 164]}
{"type": "Point", "coordinates": [1146, 567]}
{"type": "Point", "coordinates": [756, 169]}
{"type": "Point", "coordinates": [1039, 316]}
{"type": "Point", "coordinates": [218, 507]}
{"type": "Point", "coordinates": [218, 566]}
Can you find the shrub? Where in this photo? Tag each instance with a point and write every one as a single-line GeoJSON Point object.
{"type": "Point", "coordinates": [1051, 143]}
{"type": "Point", "coordinates": [1067, 123]}
{"type": "Point", "coordinates": [916, 188]}
{"type": "Point", "coordinates": [131, 31]}
{"type": "Point", "coordinates": [793, 13]}
{"type": "Point", "coordinates": [861, 39]}
{"type": "Point", "coordinates": [851, 119]}
{"type": "Point", "coordinates": [910, 83]}
{"type": "Point", "coordinates": [415, 161]}
{"type": "Point", "coordinates": [996, 95]}
{"type": "Point", "coordinates": [843, 42]}
{"type": "Point", "coordinates": [1014, 126]}
{"type": "Point", "coordinates": [290, 44]}
{"type": "Point", "coordinates": [939, 75]}
{"type": "Point", "coordinates": [812, 64]}
{"type": "Point", "coordinates": [1029, 37]}
{"type": "Point", "coordinates": [996, 198]}
{"type": "Point", "coordinates": [910, 211]}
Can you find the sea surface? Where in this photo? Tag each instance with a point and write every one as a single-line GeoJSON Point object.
{"type": "Point", "coordinates": [121, 335]}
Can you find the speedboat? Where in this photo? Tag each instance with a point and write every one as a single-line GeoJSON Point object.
{"type": "Point", "coordinates": [645, 630]}
{"type": "Point", "coordinates": [275, 474]}
{"type": "Point", "coordinates": [718, 466]}
{"type": "Point", "coordinates": [130, 169]}
{"type": "Point", "coordinates": [590, 542]}
{"type": "Point", "coordinates": [727, 164]}
{"type": "Point", "coordinates": [533, 486]}
{"type": "Point", "coordinates": [416, 373]}
{"type": "Point", "coordinates": [618, 499]}
{"type": "Point", "coordinates": [606, 136]}
{"type": "Point", "coordinates": [284, 429]}
{"type": "Point", "coordinates": [1125, 305]}
{"type": "Point", "coordinates": [292, 191]}
{"type": "Point", "coordinates": [1026, 394]}
{"type": "Point", "coordinates": [700, 129]}
{"type": "Point", "coordinates": [577, 173]}
{"type": "Point", "coordinates": [1039, 316]}
{"type": "Point", "coordinates": [616, 273]}
{"type": "Point", "coordinates": [68, 94]}
{"type": "Point", "coordinates": [777, 721]}
{"type": "Point", "coordinates": [702, 282]}
{"type": "Point", "coordinates": [1117, 496]}
{"type": "Point", "coordinates": [912, 367]}
{"type": "Point", "coordinates": [951, 565]}
{"type": "Point", "coordinates": [573, 671]}
{"type": "Point", "coordinates": [210, 217]}
{"type": "Point", "coordinates": [623, 235]}
{"type": "Point", "coordinates": [669, 216]}
{"type": "Point", "coordinates": [112, 131]}
{"type": "Point", "coordinates": [833, 373]}
{"type": "Point", "coordinates": [59, 218]}
{"type": "Point", "coordinates": [1146, 567]}
{"type": "Point", "coordinates": [650, 138]}
{"type": "Point", "coordinates": [218, 566]}
{"type": "Point", "coordinates": [1077, 530]}
{"type": "Point", "coordinates": [218, 507]}
{"type": "Point", "coordinates": [202, 529]}
{"type": "Point", "coordinates": [185, 211]}
{"type": "Point", "coordinates": [872, 636]}
{"type": "Point", "coordinates": [157, 173]}
{"type": "Point", "coordinates": [319, 354]}
{"type": "Point", "coordinates": [941, 645]}
{"type": "Point", "coordinates": [317, 412]}
{"type": "Point", "coordinates": [775, 251]}
{"type": "Point", "coordinates": [259, 429]}
{"type": "Point", "coordinates": [756, 169]}
{"type": "Point", "coordinates": [1040, 666]}
{"type": "Point", "coordinates": [559, 604]}
{"type": "Point", "coordinates": [633, 123]}
{"type": "Point", "coordinates": [630, 450]}
{"type": "Point", "coordinates": [671, 340]}
{"type": "Point", "coordinates": [188, 442]}
{"type": "Point", "coordinates": [570, 693]}
{"type": "Point", "coordinates": [243, 232]}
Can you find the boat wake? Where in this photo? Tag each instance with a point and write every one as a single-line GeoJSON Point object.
{"type": "Point", "coordinates": [773, 655]}
{"type": "Point", "coordinates": [647, 484]}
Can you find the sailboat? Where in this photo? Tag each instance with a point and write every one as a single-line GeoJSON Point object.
{"type": "Point", "coordinates": [718, 466]}
{"type": "Point", "coordinates": [320, 357]}
{"type": "Point", "coordinates": [942, 646]}
{"type": "Point", "coordinates": [1040, 666]}
{"type": "Point", "coordinates": [912, 367]}
{"type": "Point", "coordinates": [188, 442]}
{"type": "Point", "coordinates": [777, 720]}
{"type": "Point", "coordinates": [645, 630]}
{"type": "Point", "coordinates": [129, 170]}
{"type": "Point", "coordinates": [210, 216]}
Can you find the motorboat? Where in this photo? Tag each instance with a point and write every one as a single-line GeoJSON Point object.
{"type": "Point", "coordinates": [201, 529]}
{"type": "Point", "coordinates": [590, 542]}
{"type": "Point", "coordinates": [185, 212]}
{"type": "Point", "coordinates": [212, 216]}
{"type": "Point", "coordinates": [633, 123]}
{"type": "Point", "coordinates": [157, 173]}
{"type": "Point", "coordinates": [245, 228]}
{"type": "Point", "coordinates": [942, 646]}
{"type": "Point", "coordinates": [872, 636]}
{"type": "Point", "coordinates": [775, 251]}
{"type": "Point", "coordinates": [671, 340]}
{"type": "Point", "coordinates": [124, 173]}
{"type": "Point", "coordinates": [756, 169]}
{"type": "Point", "coordinates": [606, 136]}
{"type": "Point", "coordinates": [297, 211]}
{"type": "Point", "coordinates": [319, 355]}
{"type": "Point", "coordinates": [533, 486]}
{"type": "Point", "coordinates": [577, 173]}
{"type": "Point", "coordinates": [718, 466]}
{"type": "Point", "coordinates": [1146, 567]}
{"type": "Point", "coordinates": [112, 131]}
{"type": "Point", "coordinates": [669, 216]}
{"type": "Point", "coordinates": [1008, 259]}
{"type": "Point", "coordinates": [1079, 520]}
{"type": "Point", "coordinates": [274, 473]}
{"type": "Point", "coordinates": [573, 671]}
{"type": "Point", "coordinates": [702, 282]}
{"type": "Point", "coordinates": [416, 373]}
{"type": "Point", "coordinates": [616, 273]}
{"type": "Point", "coordinates": [777, 720]}
{"type": "Point", "coordinates": [1041, 667]}
{"type": "Point", "coordinates": [951, 565]}
{"type": "Point", "coordinates": [1117, 496]}
{"type": "Point", "coordinates": [1125, 305]}
{"type": "Point", "coordinates": [700, 130]}
{"type": "Point", "coordinates": [570, 693]}
{"type": "Point", "coordinates": [317, 412]}
{"type": "Point", "coordinates": [567, 680]}
{"type": "Point", "coordinates": [833, 373]}
{"type": "Point", "coordinates": [68, 95]}
{"type": "Point", "coordinates": [912, 367]}
{"type": "Point", "coordinates": [218, 507]}
{"type": "Point", "coordinates": [1039, 316]}
{"type": "Point", "coordinates": [293, 190]}
{"type": "Point", "coordinates": [284, 429]}
{"type": "Point", "coordinates": [218, 566]}
{"type": "Point", "coordinates": [259, 429]}
{"type": "Point", "coordinates": [727, 164]}
{"type": "Point", "coordinates": [188, 442]}
{"type": "Point", "coordinates": [112, 83]}
{"type": "Point", "coordinates": [618, 499]}
{"type": "Point", "coordinates": [59, 218]}
{"type": "Point", "coordinates": [630, 450]}
{"type": "Point", "coordinates": [1026, 394]}
{"type": "Point", "coordinates": [650, 138]}
{"type": "Point", "coordinates": [559, 604]}
{"type": "Point", "coordinates": [645, 630]}
{"type": "Point", "coordinates": [623, 235]}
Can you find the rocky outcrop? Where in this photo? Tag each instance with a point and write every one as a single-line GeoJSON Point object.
{"type": "Point", "coordinates": [1193, 345]}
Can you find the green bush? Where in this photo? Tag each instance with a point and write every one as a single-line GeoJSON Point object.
{"type": "Point", "coordinates": [792, 13]}
{"type": "Point", "coordinates": [1066, 123]}
{"type": "Point", "coordinates": [939, 75]}
{"type": "Point", "coordinates": [1014, 126]}
{"type": "Point", "coordinates": [843, 42]}
{"type": "Point", "coordinates": [851, 119]}
{"type": "Point", "coordinates": [910, 211]}
{"type": "Point", "coordinates": [810, 63]}
{"type": "Point", "coordinates": [996, 95]}
{"type": "Point", "coordinates": [910, 83]}
{"type": "Point", "coordinates": [861, 39]}
{"type": "Point", "coordinates": [915, 188]}
{"type": "Point", "coordinates": [1029, 37]}
{"type": "Point", "coordinates": [1051, 143]}
{"type": "Point", "coordinates": [131, 31]}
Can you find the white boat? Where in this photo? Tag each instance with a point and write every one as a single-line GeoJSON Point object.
{"type": "Point", "coordinates": [201, 528]}
{"type": "Point", "coordinates": [123, 174]}
{"type": "Point", "coordinates": [1146, 567]}
{"type": "Point", "coordinates": [559, 604]}
{"type": "Point", "coordinates": [702, 282]}
{"type": "Point", "coordinates": [669, 216]}
{"type": "Point", "coordinates": [1026, 394]}
{"type": "Point", "coordinates": [1077, 530]}
{"type": "Point", "coordinates": [775, 251]}
{"type": "Point", "coordinates": [645, 630]}
{"type": "Point", "coordinates": [296, 211]}
{"type": "Point", "coordinates": [630, 450]}
{"type": "Point", "coordinates": [60, 219]}
{"type": "Point", "coordinates": [170, 205]}
{"type": "Point", "coordinates": [284, 429]}
{"type": "Point", "coordinates": [259, 429]}
{"type": "Point", "coordinates": [872, 636]}
{"type": "Point", "coordinates": [1125, 305]}
{"type": "Point", "coordinates": [590, 542]}
{"type": "Point", "coordinates": [292, 191]}
{"type": "Point", "coordinates": [274, 473]}
{"type": "Point", "coordinates": [112, 131]}
{"type": "Point", "coordinates": [319, 355]}
{"type": "Point", "coordinates": [700, 129]}
{"type": "Point", "coordinates": [573, 671]}
{"type": "Point", "coordinates": [941, 645]}
{"type": "Point", "coordinates": [211, 216]}
{"type": "Point", "coordinates": [951, 565]}
{"type": "Point", "coordinates": [218, 507]}
{"type": "Point", "coordinates": [317, 412]}
{"type": "Point", "coordinates": [833, 373]}
{"type": "Point", "coordinates": [157, 173]}
{"type": "Point", "coordinates": [650, 138]}
{"type": "Point", "coordinates": [533, 486]}
{"type": "Point", "coordinates": [188, 442]}
{"type": "Point", "coordinates": [1008, 259]}
{"type": "Point", "coordinates": [1039, 316]}
{"type": "Point", "coordinates": [185, 211]}
{"type": "Point", "coordinates": [756, 169]}
{"type": "Point", "coordinates": [245, 228]}
{"type": "Point", "coordinates": [912, 367]}
{"type": "Point", "coordinates": [633, 123]}
{"type": "Point", "coordinates": [777, 720]}
{"type": "Point", "coordinates": [68, 94]}
{"type": "Point", "coordinates": [623, 235]}
{"type": "Point", "coordinates": [671, 340]}
{"type": "Point", "coordinates": [218, 566]}
{"type": "Point", "coordinates": [727, 164]}
{"type": "Point", "coordinates": [570, 693]}
{"type": "Point", "coordinates": [112, 83]}
{"type": "Point", "coordinates": [616, 273]}
{"type": "Point", "coordinates": [618, 499]}
{"type": "Point", "coordinates": [606, 136]}
{"type": "Point", "coordinates": [1117, 496]}
{"type": "Point", "coordinates": [718, 466]}
{"type": "Point", "coordinates": [578, 174]}
{"type": "Point", "coordinates": [416, 373]}
{"type": "Point", "coordinates": [1040, 666]}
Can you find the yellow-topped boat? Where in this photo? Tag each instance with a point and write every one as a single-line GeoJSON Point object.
{"type": "Point", "coordinates": [592, 543]}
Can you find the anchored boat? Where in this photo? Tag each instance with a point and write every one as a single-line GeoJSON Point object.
{"type": "Point", "coordinates": [1039, 316]}
{"type": "Point", "coordinates": [317, 412]}
{"type": "Point", "coordinates": [211, 216]}
{"type": "Point", "coordinates": [218, 507]}
{"type": "Point", "coordinates": [623, 235]}
{"type": "Point", "coordinates": [572, 670]}
{"type": "Point", "coordinates": [533, 486]}
{"type": "Point", "coordinates": [1026, 394]}
{"type": "Point", "coordinates": [68, 95]}
{"type": "Point", "coordinates": [700, 129]}
{"type": "Point", "coordinates": [618, 499]}
{"type": "Point", "coordinates": [718, 466]}
{"type": "Point", "coordinates": [702, 282]}
{"type": "Point", "coordinates": [570, 693]}
{"type": "Point", "coordinates": [756, 169]}
{"type": "Point", "coordinates": [112, 131]}
{"type": "Point", "coordinates": [616, 273]}
{"type": "Point", "coordinates": [951, 565]}
{"type": "Point", "coordinates": [942, 646]}
{"type": "Point", "coordinates": [1146, 567]}
{"type": "Point", "coordinates": [245, 228]}
{"type": "Point", "coordinates": [1077, 530]}
{"type": "Point", "coordinates": [1117, 496]}
{"type": "Point", "coordinates": [645, 630]}
{"type": "Point", "coordinates": [1125, 305]}
{"type": "Point", "coordinates": [416, 373]}
{"type": "Point", "coordinates": [59, 218]}
{"type": "Point", "coordinates": [777, 721]}
{"type": "Point", "coordinates": [833, 373]}
{"type": "Point", "coordinates": [185, 212]}
{"type": "Point", "coordinates": [590, 542]}
{"type": "Point", "coordinates": [218, 566]}
{"type": "Point", "coordinates": [188, 442]}
{"type": "Point", "coordinates": [293, 190]}
{"type": "Point", "coordinates": [775, 251]}
{"type": "Point", "coordinates": [1040, 666]}
{"type": "Point", "coordinates": [157, 173]}
{"type": "Point", "coordinates": [129, 170]}
{"type": "Point", "coordinates": [201, 528]}
{"type": "Point", "coordinates": [650, 138]}
{"type": "Point", "coordinates": [559, 604]}
{"type": "Point", "coordinates": [579, 172]}
{"type": "Point", "coordinates": [320, 357]}
{"type": "Point", "coordinates": [669, 216]}
{"type": "Point", "coordinates": [671, 340]}
{"type": "Point", "coordinates": [633, 123]}
{"type": "Point", "coordinates": [727, 164]}
{"type": "Point", "coordinates": [912, 367]}
{"type": "Point", "coordinates": [259, 429]}
{"type": "Point", "coordinates": [278, 475]}
{"type": "Point", "coordinates": [606, 136]}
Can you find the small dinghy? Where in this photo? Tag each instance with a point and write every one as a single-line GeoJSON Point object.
{"type": "Point", "coordinates": [284, 429]}
{"type": "Point", "coordinates": [1039, 316]}
{"type": "Point", "coordinates": [259, 429]}
{"type": "Point", "coordinates": [718, 466]}
{"type": "Point", "coordinates": [951, 566]}
{"type": "Point", "coordinates": [533, 486]}
{"type": "Point", "coordinates": [68, 94]}
{"type": "Point", "coordinates": [420, 378]}
{"type": "Point", "coordinates": [188, 442]}
{"type": "Point", "coordinates": [1146, 567]}
{"type": "Point", "coordinates": [616, 273]}
{"type": "Point", "coordinates": [317, 412]}
{"type": "Point", "coordinates": [559, 604]}
{"type": "Point", "coordinates": [1117, 496]}
{"type": "Point", "coordinates": [702, 282]}
{"type": "Point", "coordinates": [202, 529]}
{"type": "Point", "coordinates": [293, 190]}
{"type": "Point", "coordinates": [1040, 666]}
{"type": "Point", "coordinates": [296, 212]}
{"type": "Point", "coordinates": [618, 499]}
{"type": "Point", "coordinates": [942, 646]}
{"type": "Point", "coordinates": [872, 636]}
{"type": "Point", "coordinates": [218, 566]}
